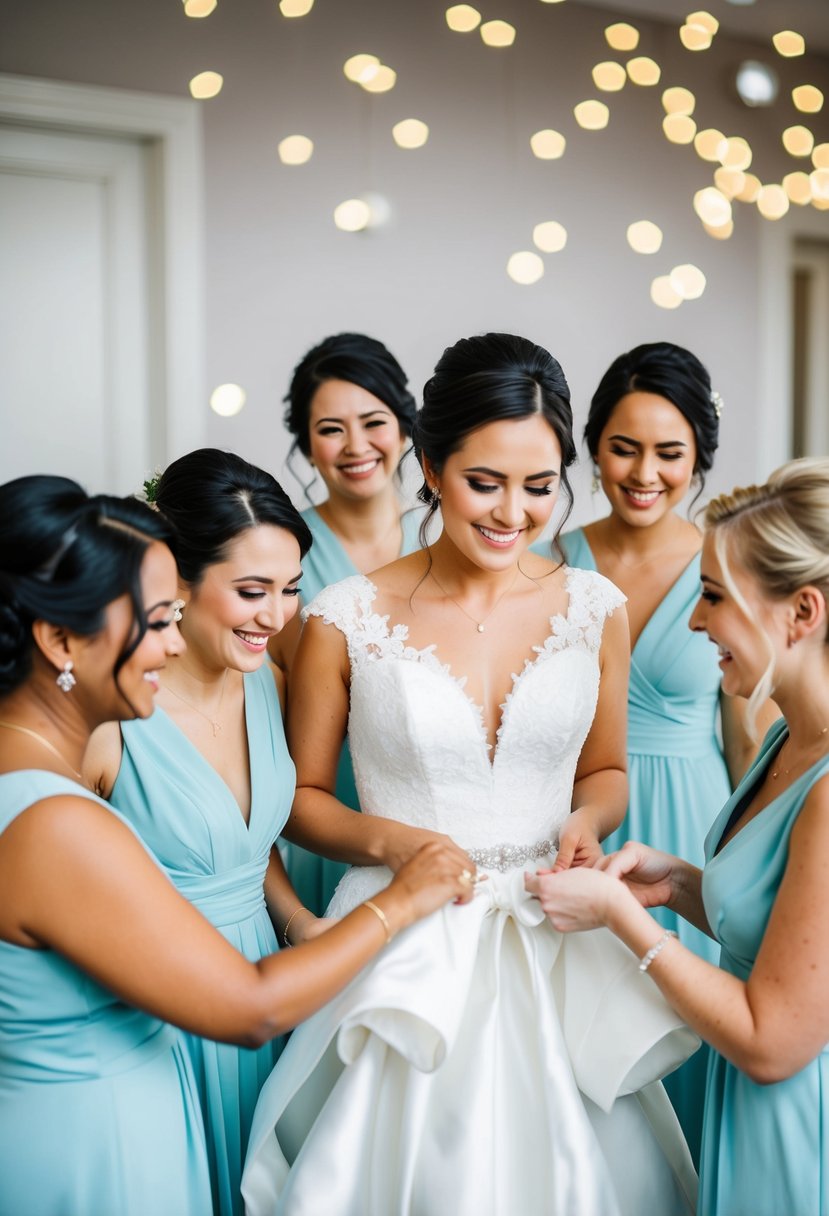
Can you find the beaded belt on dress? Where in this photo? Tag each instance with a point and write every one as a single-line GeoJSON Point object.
{"type": "Point", "coordinates": [505, 857]}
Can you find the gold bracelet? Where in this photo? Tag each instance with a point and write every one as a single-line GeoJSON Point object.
{"type": "Point", "coordinates": [367, 903]}
{"type": "Point", "coordinates": [295, 912]}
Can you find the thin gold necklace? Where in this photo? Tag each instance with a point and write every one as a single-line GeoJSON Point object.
{"type": "Point", "coordinates": [785, 771]}
{"type": "Point", "coordinates": [217, 726]}
{"type": "Point", "coordinates": [25, 730]}
{"type": "Point", "coordinates": [479, 624]}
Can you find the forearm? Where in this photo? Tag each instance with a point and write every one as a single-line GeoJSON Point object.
{"type": "Point", "coordinates": [601, 799]}
{"type": "Point", "coordinates": [686, 899]}
{"type": "Point", "coordinates": [714, 1003]}
{"type": "Point", "coordinates": [322, 824]}
{"type": "Point", "coordinates": [283, 903]}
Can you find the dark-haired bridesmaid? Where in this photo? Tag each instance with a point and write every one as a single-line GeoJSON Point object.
{"type": "Point", "coordinates": [351, 414]}
{"type": "Point", "coordinates": [652, 431]}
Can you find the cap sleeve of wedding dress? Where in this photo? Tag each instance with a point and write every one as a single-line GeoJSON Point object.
{"type": "Point", "coordinates": [483, 1064]}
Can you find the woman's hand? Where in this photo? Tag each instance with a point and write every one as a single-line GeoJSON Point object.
{"type": "Point", "coordinates": [648, 874]}
{"type": "Point", "coordinates": [576, 899]}
{"type": "Point", "coordinates": [430, 879]}
{"type": "Point", "coordinates": [578, 844]}
{"type": "Point", "coordinates": [402, 842]}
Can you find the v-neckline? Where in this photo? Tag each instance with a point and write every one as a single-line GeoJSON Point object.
{"type": "Point", "coordinates": [654, 616]}
{"type": "Point", "coordinates": [246, 823]}
{"type": "Point", "coordinates": [430, 660]}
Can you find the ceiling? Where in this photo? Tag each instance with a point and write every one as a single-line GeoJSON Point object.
{"type": "Point", "coordinates": [757, 21]}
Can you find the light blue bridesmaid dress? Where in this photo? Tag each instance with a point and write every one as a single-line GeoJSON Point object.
{"type": "Point", "coordinates": [676, 770]}
{"type": "Point", "coordinates": [99, 1114]}
{"type": "Point", "coordinates": [765, 1148]}
{"type": "Point", "coordinates": [327, 562]}
{"type": "Point", "coordinates": [187, 815]}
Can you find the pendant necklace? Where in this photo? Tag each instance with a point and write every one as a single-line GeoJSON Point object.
{"type": "Point", "coordinates": [25, 730]}
{"type": "Point", "coordinates": [216, 725]}
{"type": "Point", "coordinates": [478, 624]}
{"type": "Point", "coordinates": [785, 771]}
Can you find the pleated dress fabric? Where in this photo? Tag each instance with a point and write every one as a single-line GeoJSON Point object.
{"type": "Point", "coordinates": [99, 1113]}
{"type": "Point", "coordinates": [315, 878]}
{"type": "Point", "coordinates": [765, 1148]}
{"type": "Point", "coordinates": [676, 770]}
{"type": "Point", "coordinates": [187, 815]}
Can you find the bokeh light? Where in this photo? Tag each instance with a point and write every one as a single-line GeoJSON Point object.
{"type": "Point", "coordinates": [679, 128]}
{"type": "Point", "coordinates": [798, 141]}
{"type": "Point", "coordinates": [678, 101]}
{"type": "Point", "coordinates": [410, 133]}
{"type": "Point", "coordinates": [353, 215]}
{"type": "Point", "coordinates": [644, 71]}
{"type": "Point", "coordinates": [772, 202]}
{"type": "Point", "coordinates": [227, 400]}
{"type": "Point", "coordinates": [206, 85]}
{"type": "Point", "coordinates": [610, 77]}
{"type": "Point", "coordinates": [663, 293]}
{"type": "Point", "coordinates": [498, 33]}
{"type": "Point", "coordinates": [789, 44]}
{"type": "Point", "coordinates": [688, 281]}
{"type": "Point", "coordinates": [807, 98]}
{"type": "Point", "coordinates": [622, 37]}
{"type": "Point", "coordinates": [548, 144]}
{"type": "Point", "coordinates": [592, 115]}
{"type": "Point", "coordinates": [525, 267]}
{"type": "Point", "coordinates": [550, 236]}
{"type": "Point", "coordinates": [643, 236]}
{"type": "Point", "coordinates": [295, 149]}
{"type": "Point", "coordinates": [463, 18]}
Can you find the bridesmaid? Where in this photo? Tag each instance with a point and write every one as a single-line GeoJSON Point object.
{"type": "Point", "coordinates": [207, 782]}
{"type": "Point", "coordinates": [762, 892]}
{"type": "Point", "coordinates": [98, 1109]}
{"type": "Point", "coordinates": [652, 432]}
{"type": "Point", "coordinates": [351, 414]}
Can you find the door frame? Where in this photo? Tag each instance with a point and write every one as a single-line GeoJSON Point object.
{"type": "Point", "coordinates": [172, 129]}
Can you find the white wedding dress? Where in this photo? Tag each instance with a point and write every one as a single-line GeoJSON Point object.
{"type": "Point", "coordinates": [480, 1065]}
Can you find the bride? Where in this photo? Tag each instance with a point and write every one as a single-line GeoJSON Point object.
{"type": "Point", "coordinates": [485, 1064]}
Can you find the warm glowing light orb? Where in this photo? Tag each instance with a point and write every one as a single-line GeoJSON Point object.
{"type": "Point", "coordinates": [688, 281]}
{"type": "Point", "coordinates": [548, 144]}
{"type": "Point", "coordinates": [643, 236]}
{"type": "Point", "coordinates": [798, 141]}
{"type": "Point", "coordinates": [295, 149]}
{"type": "Point", "coordinates": [498, 33]}
{"type": "Point", "coordinates": [550, 237]}
{"type": "Point", "coordinates": [798, 188]}
{"type": "Point", "coordinates": [707, 143]}
{"type": "Point", "coordinates": [706, 20]}
{"type": "Point", "coordinates": [227, 400]}
{"type": "Point", "coordinates": [410, 133]}
{"type": "Point", "coordinates": [820, 156]}
{"type": "Point", "coordinates": [695, 37]}
{"type": "Point", "coordinates": [789, 44]}
{"type": "Point", "coordinates": [729, 181]}
{"type": "Point", "coordinates": [525, 267]}
{"type": "Point", "coordinates": [750, 190]}
{"type": "Point", "coordinates": [772, 202]}
{"type": "Point", "coordinates": [206, 85]}
{"type": "Point", "coordinates": [678, 101]}
{"type": "Point", "coordinates": [819, 179]}
{"type": "Point", "coordinates": [712, 206]}
{"type": "Point", "coordinates": [734, 153]}
{"type": "Point", "coordinates": [360, 67]}
{"type": "Point", "coordinates": [610, 77]}
{"type": "Point", "coordinates": [807, 99]}
{"type": "Point", "coordinates": [353, 215]}
{"type": "Point", "coordinates": [664, 294]}
{"type": "Point", "coordinates": [679, 128]}
{"type": "Point", "coordinates": [463, 18]}
{"type": "Point", "coordinates": [295, 8]}
{"type": "Point", "coordinates": [644, 71]}
{"type": "Point", "coordinates": [381, 81]}
{"type": "Point", "coordinates": [199, 8]}
{"type": "Point", "coordinates": [622, 37]}
{"type": "Point", "coordinates": [722, 233]}
{"type": "Point", "coordinates": [592, 115]}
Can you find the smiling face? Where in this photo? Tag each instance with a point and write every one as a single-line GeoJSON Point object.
{"type": "Point", "coordinates": [746, 641]}
{"type": "Point", "coordinates": [130, 694]}
{"type": "Point", "coordinates": [646, 457]}
{"type": "Point", "coordinates": [499, 489]}
{"type": "Point", "coordinates": [355, 439]}
{"type": "Point", "coordinates": [242, 601]}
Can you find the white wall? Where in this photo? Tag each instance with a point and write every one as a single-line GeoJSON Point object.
{"type": "Point", "coordinates": [280, 276]}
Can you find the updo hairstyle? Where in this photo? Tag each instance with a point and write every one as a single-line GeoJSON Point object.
{"type": "Point", "coordinates": [489, 378]}
{"type": "Point", "coordinates": [668, 371]}
{"type": "Point", "coordinates": [211, 497]}
{"type": "Point", "coordinates": [64, 557]}
{"type": "Point", "coordinates": [779, 534]}
{"type": "Point", "coordinates": [357, 359]}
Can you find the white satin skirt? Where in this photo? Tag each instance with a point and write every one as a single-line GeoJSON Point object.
{"type": "Point", "coordinates": [482, 1065]}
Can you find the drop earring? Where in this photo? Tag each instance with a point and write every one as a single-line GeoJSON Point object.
{"type": "Point", "coordinates": [65, 680]}
{"type": "Point", "coordinates": [595, 484]}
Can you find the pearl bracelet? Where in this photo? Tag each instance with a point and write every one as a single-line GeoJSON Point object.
{"type": "Point", "coordinates": [646, 959]}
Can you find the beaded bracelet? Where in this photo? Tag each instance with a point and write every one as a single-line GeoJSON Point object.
{"type": "Point", "coordinates": [295, 912]}
{"type": "Point", "coordinates": [380, 914]}
{"type": "Point", "coordinates": [646, 959]}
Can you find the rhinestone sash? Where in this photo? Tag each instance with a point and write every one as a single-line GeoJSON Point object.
{"type": "Point", "coordinates": [505, 857]}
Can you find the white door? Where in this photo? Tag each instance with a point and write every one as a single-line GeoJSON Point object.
{"type": "Point", "coordinates": [75, 357]}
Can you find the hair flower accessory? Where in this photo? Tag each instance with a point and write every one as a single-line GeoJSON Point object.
{"type": "Point", "coordinates": [716, 403]}
{"type": "Point", "coordinates": [150, 490]}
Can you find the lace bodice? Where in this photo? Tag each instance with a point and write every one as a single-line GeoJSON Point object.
{"type": "Point", "coordinates": [419, 744]}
